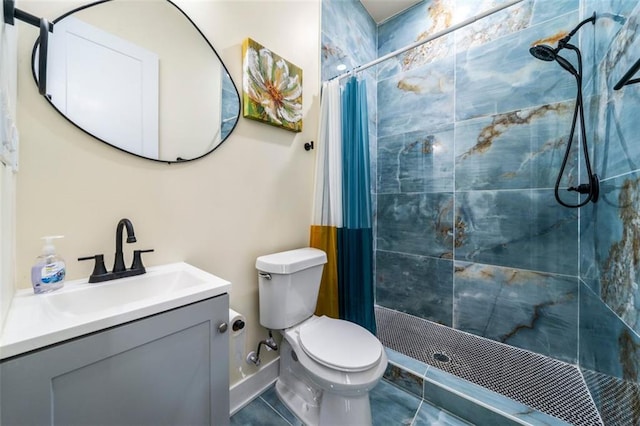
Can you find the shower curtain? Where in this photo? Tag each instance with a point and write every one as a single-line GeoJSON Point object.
{"type": "Point", "coordinates": [342, 211]}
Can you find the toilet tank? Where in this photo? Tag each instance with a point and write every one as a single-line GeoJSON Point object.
{"type": "Point", "coordinates": [288, 286]}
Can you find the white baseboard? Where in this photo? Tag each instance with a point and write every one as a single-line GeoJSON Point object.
{"type": "Point", "coordinates": [249, 388]}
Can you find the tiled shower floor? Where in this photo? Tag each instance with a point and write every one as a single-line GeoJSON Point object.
{"type": "Point", "coordinates": [542, 383]}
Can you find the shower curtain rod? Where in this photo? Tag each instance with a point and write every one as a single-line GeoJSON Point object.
{"type": "Point", "coordinates": [428, 39]}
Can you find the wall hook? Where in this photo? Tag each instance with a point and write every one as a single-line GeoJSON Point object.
{"type": "Point", "coordinates": [308, 146]}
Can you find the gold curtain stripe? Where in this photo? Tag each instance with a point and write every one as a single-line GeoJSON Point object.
{"type": "Point", "coordinates": [326, 238]}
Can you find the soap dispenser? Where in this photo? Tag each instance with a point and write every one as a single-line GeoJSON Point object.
{"type": "Point", "coordinates": [48, 273]}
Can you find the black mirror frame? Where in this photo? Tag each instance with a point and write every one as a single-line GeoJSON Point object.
{"type": "Point", "coordinates": [95, 3]}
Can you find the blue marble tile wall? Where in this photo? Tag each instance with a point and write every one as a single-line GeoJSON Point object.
{"type": "Point", "coordinates": [610, 229]}
{"type": "Point", "coordinates": [471, 131]}
{"type": "Point", "coordinates": [348, 39]}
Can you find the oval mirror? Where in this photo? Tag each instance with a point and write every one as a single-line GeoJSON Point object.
{"type": "Point", "coordinates": [141, 77]}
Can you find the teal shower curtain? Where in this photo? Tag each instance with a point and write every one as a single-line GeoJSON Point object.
{"type": "Point", "coordinates": [355, 238]}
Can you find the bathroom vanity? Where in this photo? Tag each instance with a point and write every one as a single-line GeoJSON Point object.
{"type": "Point", "coordinates": [168, 366]}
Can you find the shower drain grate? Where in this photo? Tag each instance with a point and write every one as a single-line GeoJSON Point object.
{"type": "Point", "coordinates": [540, 382]}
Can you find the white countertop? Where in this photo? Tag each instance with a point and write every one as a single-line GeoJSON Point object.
{"type": "Point", "coordinates": [38, 320]}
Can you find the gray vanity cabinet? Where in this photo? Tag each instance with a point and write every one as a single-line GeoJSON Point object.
{"type": "Point", "coordinates": [166, 369]}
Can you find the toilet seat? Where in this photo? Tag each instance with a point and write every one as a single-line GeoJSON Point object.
{"type": "Point", "coordinates": [339, 344]}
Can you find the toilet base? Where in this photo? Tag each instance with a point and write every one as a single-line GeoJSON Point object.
{"type": "Point", "coordinates": [335, 410]}
{"type": "Point", "coordinates": [313, 405]}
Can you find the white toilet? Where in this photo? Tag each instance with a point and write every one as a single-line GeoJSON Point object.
{"type": "Point", "coordinates": [327, 366]}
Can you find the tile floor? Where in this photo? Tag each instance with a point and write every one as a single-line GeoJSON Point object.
{"type": "Point", "coordinates": [389, 406]}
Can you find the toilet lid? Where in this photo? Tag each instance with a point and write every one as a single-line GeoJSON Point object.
{"type": "Point", "coordinates": [340, 344]}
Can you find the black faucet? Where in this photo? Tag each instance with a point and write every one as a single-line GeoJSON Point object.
{"type": "Point", "coordinates": [100, 273]}
{"type": "Point", "coordinates": [118, 264]}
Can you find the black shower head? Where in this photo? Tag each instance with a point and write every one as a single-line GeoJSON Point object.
{"type": "Point", "coordinates": [549, 54]}
{"type": "Point", "coordinates": [543, 52]}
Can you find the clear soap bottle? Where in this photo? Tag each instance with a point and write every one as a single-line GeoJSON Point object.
{"type": "Point", "coordinates": [49, 270]}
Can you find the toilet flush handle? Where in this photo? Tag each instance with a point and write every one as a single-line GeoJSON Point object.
{"type": "Point", "coordinates": [264, 275]}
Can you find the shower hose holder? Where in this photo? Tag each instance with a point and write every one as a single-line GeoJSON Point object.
{"type": "Point", "coordinates": [593, 188]}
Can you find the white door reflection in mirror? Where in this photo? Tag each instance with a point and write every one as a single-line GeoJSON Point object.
{"type": "Point", "coordinates": [106, 85]}
{"type": "Point", "coordinates": [198, 104]}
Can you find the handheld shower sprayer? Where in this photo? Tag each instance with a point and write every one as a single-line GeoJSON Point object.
{"type": "Point", "coordinates": [550, 54]}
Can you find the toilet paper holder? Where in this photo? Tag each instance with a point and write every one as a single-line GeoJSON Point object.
{"type": "Point", "coordinates": [237, 325]}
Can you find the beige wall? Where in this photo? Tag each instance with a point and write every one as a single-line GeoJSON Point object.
{"type": "Point", "coordinates": [252, 196]}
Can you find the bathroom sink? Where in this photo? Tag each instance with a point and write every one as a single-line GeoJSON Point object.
{"type": "Point", "coordinates": [85, 298]}
{"type": "Point", "coordinates": [35, 321]}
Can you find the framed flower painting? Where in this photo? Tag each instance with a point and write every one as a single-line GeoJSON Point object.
{"type": "Point", "coordinates": [272, 88]}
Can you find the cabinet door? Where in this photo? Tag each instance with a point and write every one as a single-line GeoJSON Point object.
{"type": "Point", "coordinates": [167, 369]}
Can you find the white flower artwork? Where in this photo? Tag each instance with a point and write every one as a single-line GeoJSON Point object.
{"type": "Point", "coordinates": [272, 88]}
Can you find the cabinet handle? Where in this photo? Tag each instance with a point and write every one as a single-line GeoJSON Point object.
{"type": "Point", "coordinates": [222, 328]}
